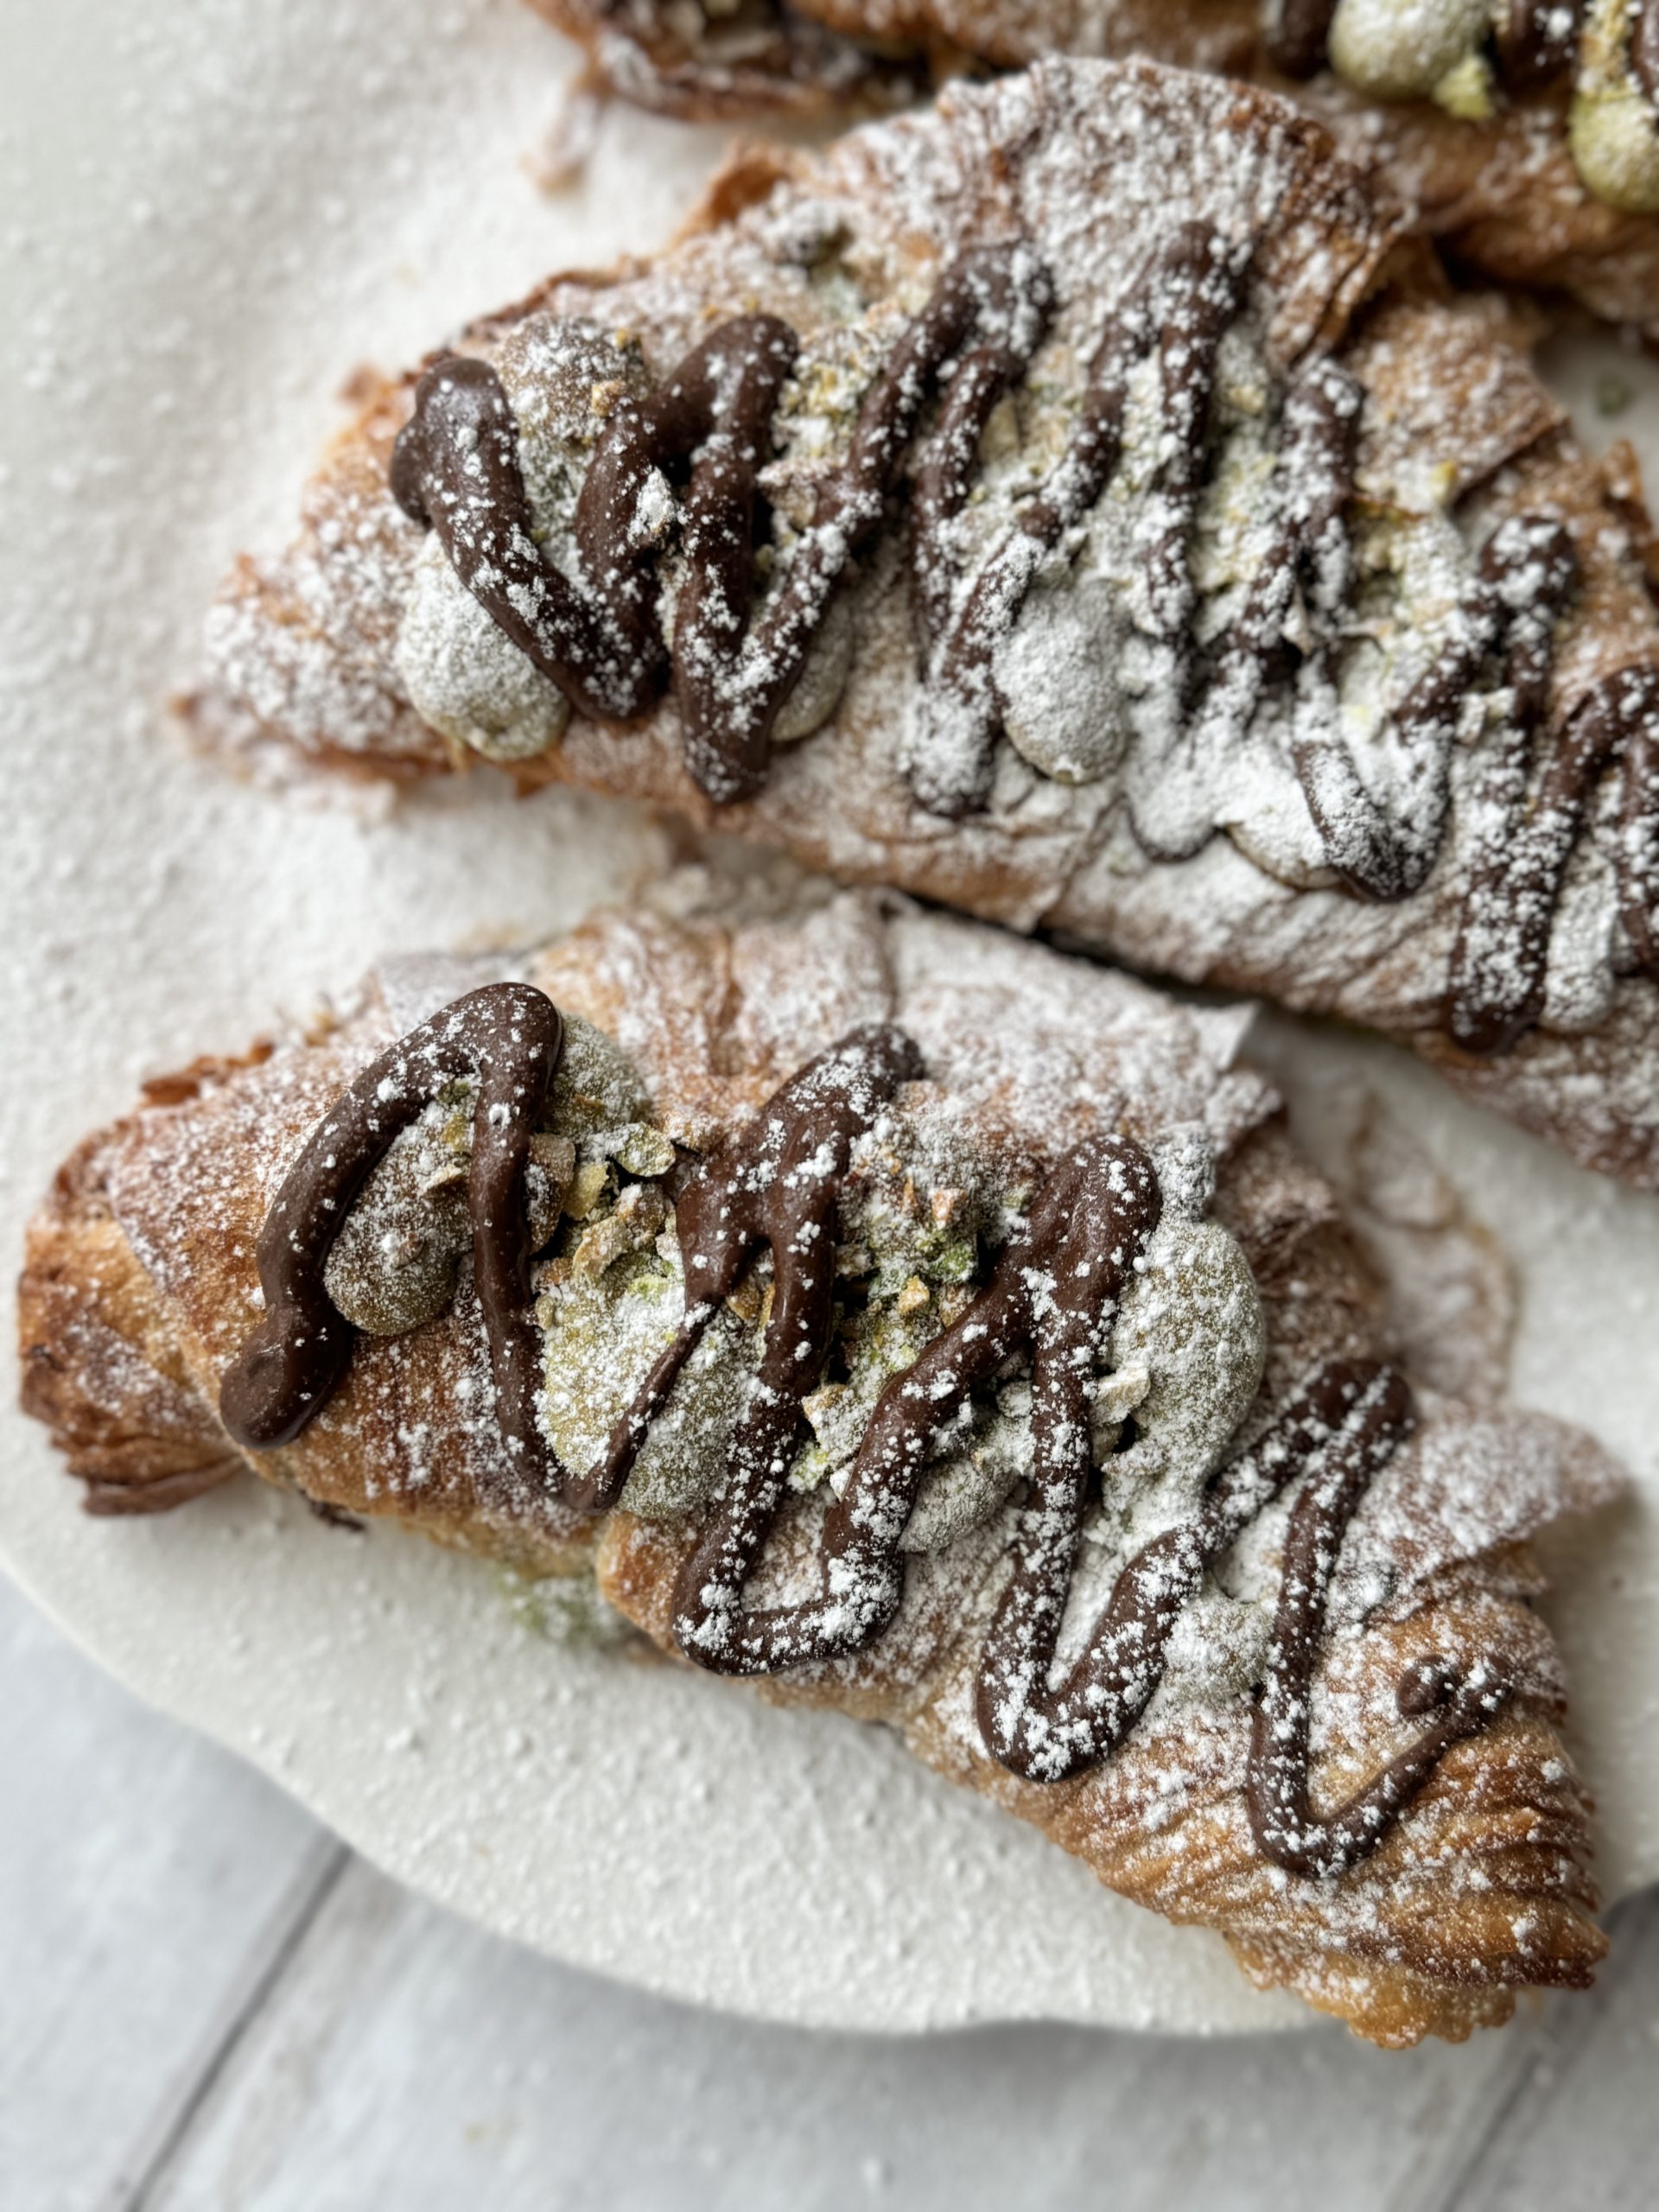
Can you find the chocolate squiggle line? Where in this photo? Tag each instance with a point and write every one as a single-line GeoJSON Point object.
{"type": "Point", "coordinates": [777, 1184]}
{"type": "Point", "coordinates": [1527, 572]}
{"type": "Point", "coordinates": [1501, 958]}
{"type": "Point", "coordinates": [1362, 1412]}
{"type": "Point", "coordinates": [456, 465]}
{"type": "Point", "coordinates": [509, 1037]}
{"type": "Point", "coordinates": [1340, 1433]}
{"type": "Point", "coordinates": [1053, 1292]}
{"type": "Point", "coordinates": [1189, 293]}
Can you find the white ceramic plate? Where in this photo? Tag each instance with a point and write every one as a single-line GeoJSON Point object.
{"type": "Point", "coordinates": [210, 211]}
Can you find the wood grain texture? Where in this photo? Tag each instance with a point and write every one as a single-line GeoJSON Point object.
{"type": "Point", "coordinates": [208, 2007]}
{"type": "Point", "coordinates": [144, 1875]}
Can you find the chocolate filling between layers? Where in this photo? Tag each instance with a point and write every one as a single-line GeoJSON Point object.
{"type": "Point", "coordinates": [1052, 1294]}
{"type": "Point", "coordinates": [457, 467]}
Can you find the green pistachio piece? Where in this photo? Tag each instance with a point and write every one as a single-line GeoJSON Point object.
{"type": "Point", "coordinates": [595, 1086]}
{"type": "Point", "coordinates": [630, 1226]}
{"type": "Point", "coordinates": [587, 1187]}
{"type": "Point", "coordinates": [636, 1146]}
{"type": "Point", "coordinates": [555, 1157]}
{"type": "Point", "coordinates": [1467, 90]}
{"type": "Point", "coordinates": [602, 1332]}
{"type": "Point", "coordinates": [879, 1342]}
{"type": "Point", "coordinates": [955, 1260]}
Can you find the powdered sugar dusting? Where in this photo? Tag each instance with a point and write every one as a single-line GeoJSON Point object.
{"type": "Point", "coordinates": [381, 1680]}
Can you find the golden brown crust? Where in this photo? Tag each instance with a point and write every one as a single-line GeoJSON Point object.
{"type": "Point", "coordinates": [101, 1364]}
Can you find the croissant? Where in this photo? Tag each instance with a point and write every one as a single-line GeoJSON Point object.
{"type": "Point", "coordinates": [917, 1322]}
{"type": "Point", "coordinates": [1524, 137]}
{"type": "Point", "coordinates": [951, 511]}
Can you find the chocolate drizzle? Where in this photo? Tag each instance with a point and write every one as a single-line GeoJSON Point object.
{"type": "Point", "coordinates": [1527, 572]}
{"type": "Point", "coordinates": [1339, 1434]}
{"type": "Point", "coordinates": [456, 465]}
{"type": "Point", "coordinates": [1501, 959]}
{"type": "Point", "coordinates": [1052, 1294]}
{"type": "Point", "coordinates": [506, 1036]}
{"type": "Point", "coordinates": [1537, 43]}
{"type": "Point", "coordinates": [1349, 1422]}
{"type": "Point", "coordinates": [777, 1184]}
{"type": "Point", "coordinates": [1185, 299]}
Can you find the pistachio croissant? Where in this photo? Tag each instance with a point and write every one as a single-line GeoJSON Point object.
{"type": "Point", "coordinates": [919, 1323]}
{"type": "Point", "coordinates": [955, 510]}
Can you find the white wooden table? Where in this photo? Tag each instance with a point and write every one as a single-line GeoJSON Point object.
{"type": "Point", "coordinates": [208, 2004]}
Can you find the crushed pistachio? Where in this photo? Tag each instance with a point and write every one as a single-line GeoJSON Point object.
{"type": "Point", "coordinates": [880, 1341]}
{"type": "Point", "coordinates": [588, 1185]}
{"type": "Point", "coordinates": [1468, 90]}
{"type": "Point", "coordinates": [632, 1223]}
{"type": "Point", "coordinates": [636, 1146]}
{"type": "Point", "coordinates": [395, 1262]}
{"type": "Point", "coordinates": [596, 1088]}
{"type": "Point", "coordinates": [556, 1158]}
{"type": "Point", "coordinates": [567, 1609]}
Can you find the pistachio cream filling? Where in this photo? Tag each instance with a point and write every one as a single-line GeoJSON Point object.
{"type": "Point", "coordinates": [1403, 49]}
{"type": "Point", "coordinates": [1441, 50]}
{"type": "Point", "coordinates": [1091, 692]}
{"type": "Point", "coordinates": [922, 1211]}
{"type": "Point", "coordinates": [1612, 130]}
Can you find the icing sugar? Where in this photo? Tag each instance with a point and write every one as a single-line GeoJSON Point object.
{"type": "Point", "coordinates": [379, 1680]}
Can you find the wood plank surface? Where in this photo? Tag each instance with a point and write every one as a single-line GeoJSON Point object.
{"type": "Point", "coordinates": [207, 2006]}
